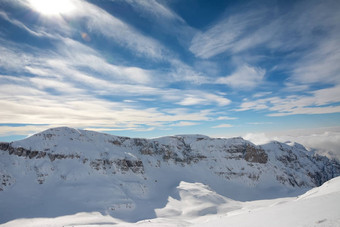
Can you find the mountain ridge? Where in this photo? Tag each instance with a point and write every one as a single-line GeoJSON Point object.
{"type": "Point", "coordinates": [131, 172]}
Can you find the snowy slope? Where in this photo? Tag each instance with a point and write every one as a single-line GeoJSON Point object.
{"type": "Point", "coordinates": [63, 171]}
{"type": "Point", "coordinates": [317, 207]}
{"type": "Point", "coordinates": [197, 205]}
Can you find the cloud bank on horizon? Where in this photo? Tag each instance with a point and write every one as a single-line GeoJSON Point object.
{"type": "Point", "coordinates": [153, 68]}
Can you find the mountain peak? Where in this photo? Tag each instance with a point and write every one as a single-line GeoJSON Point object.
{"type": "Point", "coordinates": [60, 131]}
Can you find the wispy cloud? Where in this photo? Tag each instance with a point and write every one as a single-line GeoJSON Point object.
{"type": "Point", "coordinates": [321, 64]}
{"type": "Point", "coordinates": [201, 98]}
{"type": "Point", "coordinates": [70, 59]}
{"type": "Point", "coordinates": [254, 105]}
{"type": "Point", "coordinates": [22, 130]}
{"type": "Point", "coordinates": [260, 123]}
{"type": "Point", "coordinates": [21, 25]}
{"type": "Point", "coordinates": [68, 85]}
{"type": "Point", "coordinates": [183, 72]}
{"type": "Point", "coordinates": [222, 36]}
{"type": "Point", "coordinates": [245, 77]}
{"type": "Point", "coordinates": [156, 9]}
{"type": "Point", "coordinates": [96, 20]}
{"type": "Point", "coordinates": [85, 111]}
{"type": "Point", "coordinates": [166, 20]}
{"type": "Point", "coordinates": [184, 123]}
{"type": "Point", "coordinates": [226, 118]}
{"type": "Point", "coordinates": [64, 71]}
{"type": "Point", "coordinates": [261, 94]}
{"type": "Point", "coordinates": [223, 126]}
{"type": "Point", "coordinates": [96, 67]}
{"type": "Point", "coordinates": [318, 102]}
{"type": "Point", "coordinates": [80, 56]}
{"type": "Point", "coordinates": [309, 29]}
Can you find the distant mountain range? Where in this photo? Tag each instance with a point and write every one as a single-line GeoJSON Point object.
{"type": "Point", "coordinates": [64, 171]}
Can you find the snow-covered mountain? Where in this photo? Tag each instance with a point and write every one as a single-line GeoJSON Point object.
{"type": "Point", "coordinates": [64, 171]}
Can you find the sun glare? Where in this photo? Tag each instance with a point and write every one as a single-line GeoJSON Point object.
{"type": "Point", "coordinates": [52, 7]}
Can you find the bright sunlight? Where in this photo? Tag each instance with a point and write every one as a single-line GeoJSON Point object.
{"type": "Point", "coordinates": [52, 7]}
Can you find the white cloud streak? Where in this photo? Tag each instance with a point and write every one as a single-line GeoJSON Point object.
{"type": "Point", "coordinates": [184, 123]}
{"type": "Point", "coordinates": [97, 21]}
{"type": "Point", "coordinates": [63, 93]}
{"type": "Point", "coordinates": [21, 25]}
{"type": "Point", "coordinates": [245, 77]}
{"type": "Point", "coordinates": [202, 98]}
{"type": "Point", "coordinates": [156, 10]}
{"type": "Point", "coordinates": [163, 19]}
{"type": "Point", "coordinates": [321, 65]}
{"type": "Point", "coordinates": [223, 126]}
{"type": "Point", "coordinates": [222, 36]}
{"type": "Point", "coordinates": [284, 30]}
{"type": "Point", "coordinates": [86, 112]}
{"type": "Point", "coordinates": [226, 118]}
{"type": "Point", "coordinates": [308, 29]}
{"type": "Point", "coordinates": [320, 101]}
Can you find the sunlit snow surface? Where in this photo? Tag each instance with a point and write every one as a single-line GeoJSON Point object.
{"type": "Point", "coordinates": [197, 205]}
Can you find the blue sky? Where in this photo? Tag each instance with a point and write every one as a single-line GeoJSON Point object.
{"type": "Point", "coordinates": [154, 68]}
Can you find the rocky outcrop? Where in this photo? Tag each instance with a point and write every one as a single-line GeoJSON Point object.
{"type": "Point", "coordinates": [135, 166]}
{"type": "Point", "coordinates": [253, 154]}
{"type": "Point", "coordinates": [21, 152]}
{"type": "Point", "coordinates": [5, 181]}
{"type": "Point", "coordinates": [4, 146]}
{"type": "Point", "coordinates": [121, 165]}
{"type": "Point", "coordinates": [248, 152]}
{"type": "Point", "coordinates": [328, 169]}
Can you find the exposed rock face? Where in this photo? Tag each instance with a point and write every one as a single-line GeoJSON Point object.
{"type": "Point", "coordinates": [4, 146]}
{"type": "Point", "coordinates": [328, 170]}
{"type": "Point", "coordinates": [122, 165]}
{"type": "Point", "coordinates": [5, 181]}
{"type": "Point", "coordinates": [257, 155]}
